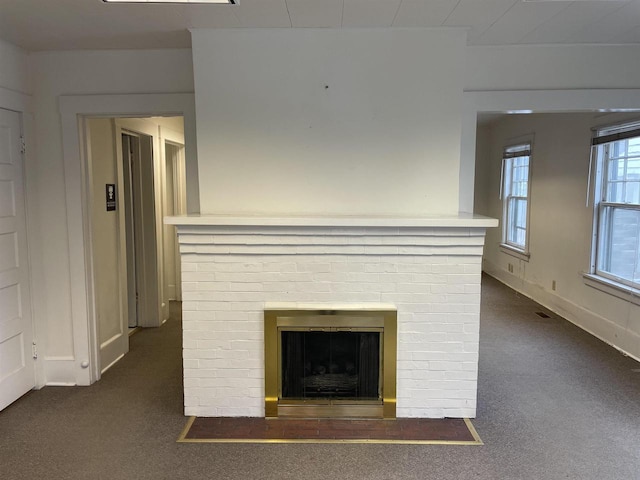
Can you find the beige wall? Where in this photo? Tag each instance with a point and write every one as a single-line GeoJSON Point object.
{"type": "Point", "coordinates": [560, 226]}
{"type": "Point", "coordinates": [105, 231]}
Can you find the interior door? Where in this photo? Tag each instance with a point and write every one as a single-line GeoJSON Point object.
{"type": "Point", "coordinates": [128, 154]}
{"type": "Point", "coordinates": [17, 373]}
{"type": "Point", "coordinates": [142, 194]}
{"type": "Point", "coordinates": [109, 284]}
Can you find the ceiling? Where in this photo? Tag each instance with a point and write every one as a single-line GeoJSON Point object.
{"type": "Point", "coordinates": [91, 24]}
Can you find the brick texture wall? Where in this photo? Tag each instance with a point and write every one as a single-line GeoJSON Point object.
{"type": "Point", "coordinates": [431, 275]}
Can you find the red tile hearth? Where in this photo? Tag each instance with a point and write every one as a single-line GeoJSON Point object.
{"type": "Point", "coordinates": [453, 431]}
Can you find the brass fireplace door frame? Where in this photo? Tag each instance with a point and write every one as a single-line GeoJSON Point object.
{"type": "Point", "coordinates": [383, 321]}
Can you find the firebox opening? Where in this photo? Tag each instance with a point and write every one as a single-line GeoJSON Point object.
{"type": "Point", "coordinates": [330, 365]}
{"type": "Point", "coordinates": [337, 364]}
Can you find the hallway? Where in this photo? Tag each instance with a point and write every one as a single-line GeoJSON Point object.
{"type": "Point", "coordinates": [554, 403]}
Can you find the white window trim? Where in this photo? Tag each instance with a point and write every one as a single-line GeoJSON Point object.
{"type": "Point", "coordinates": [619, 290]}
{"type": "Point", "coordinates": [515, 252]}
{"type": "Point", "coordinates": [595, 279]}
{"type": "Point", "coordinates": [524, 253]}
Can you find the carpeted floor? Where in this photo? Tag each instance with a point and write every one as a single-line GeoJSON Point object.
{"type": "Point", "coordinates": [554, 403]}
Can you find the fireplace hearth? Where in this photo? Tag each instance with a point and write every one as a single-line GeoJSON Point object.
{"type": "Point", "coordinates": [330, 363]}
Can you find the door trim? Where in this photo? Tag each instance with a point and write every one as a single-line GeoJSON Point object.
{"type": "Point", "coordinates": [178, 199]}
{"type": "Point", "coordinates": [73, 111]}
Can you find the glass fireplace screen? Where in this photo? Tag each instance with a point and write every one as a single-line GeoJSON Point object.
{"type": "Point", "coordinates": [328, 365]}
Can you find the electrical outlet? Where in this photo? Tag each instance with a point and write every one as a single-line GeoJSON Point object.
{"type": "Point", "coordinates": [553, 285]}
{"type": "Point", "coordinates": [510, 268]}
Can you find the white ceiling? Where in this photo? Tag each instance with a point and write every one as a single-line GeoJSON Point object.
{"type": "Point", "coordinates": [91, 24]}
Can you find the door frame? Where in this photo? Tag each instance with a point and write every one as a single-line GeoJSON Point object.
{"type": "Point", "coordinates": [128, 237]}
{"type": "Point", "coordinates": [153, 296]}
{"type": "Point", "coordinates": [176, 139]}
{"type": "Point", "coordinates": [74, 109]}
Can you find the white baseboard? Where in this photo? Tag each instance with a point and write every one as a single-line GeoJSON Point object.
{"type": "Point", "coordinates": [60, 371]}
{"type": "Point", "coordinates": [592, 323]}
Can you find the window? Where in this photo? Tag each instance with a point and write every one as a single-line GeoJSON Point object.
{"type": "Point", "coordinates": [515, 196]}
{"type": "Point", "coordinates": [617, 205]}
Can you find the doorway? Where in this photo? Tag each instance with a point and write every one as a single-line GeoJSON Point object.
{"type": "Point", "coordinates": [128, 156]}
{"type": "Point", "coordinates": [75, 112]}
{"type": "Point", "coordinates": [139, 215]}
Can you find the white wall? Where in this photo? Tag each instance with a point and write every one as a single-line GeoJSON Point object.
{"type": "Point", "coordinates": [68, 73]}
{"type": "Point", "coordinates": [396, 117]}
{"type": "Point", "coordinates": [329, 121]}
{"type": "Point", "coordinates": [535, 67]}
{"type": "Point", "coordinates": [15, 73]}
{"type": "Point", "coordinates": [560, 222]}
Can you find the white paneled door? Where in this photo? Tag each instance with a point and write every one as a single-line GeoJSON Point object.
{"type": "Point", "coordinates": [17, 375]}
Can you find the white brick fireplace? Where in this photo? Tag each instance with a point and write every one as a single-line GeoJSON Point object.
{"type": "Point", "coordinates": [427, 268]}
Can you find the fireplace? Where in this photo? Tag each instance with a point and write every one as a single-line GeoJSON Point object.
{"type": "Point", "coordinates": [234, 269]}
{"type": "Point", "coordinates": [327, 363]}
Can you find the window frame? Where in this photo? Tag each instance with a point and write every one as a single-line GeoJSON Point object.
{"type": "Point", "coordinates": [603, 138]}
{"type": "Point", "coordinates": [524, 145]}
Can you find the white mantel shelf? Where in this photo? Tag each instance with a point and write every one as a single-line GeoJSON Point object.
{"type": "Point", "coordinates": [461, 220]}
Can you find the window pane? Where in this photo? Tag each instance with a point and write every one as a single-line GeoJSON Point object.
{"type": "Point", "coordinates": [623, 171]}
{"type": "Point", "coordinates": [634, 146]}
{"type": "Point", "coordinates": [632, 192]}
{"type": "Point", "coordinates": [616, 169]}
{"type": "Point", "coordinates": [519, 190]}
{"type": "Point", "coordinates": [620, 240]}
{"type": "Point", "coordinates": [620, 148]}
{"type": "Point", "coordinates": [615, 192]}
{"type": "Point", "coordinates": [517, 221]}
{"type": "Point", "coordinates": [633, 169]}
{"type": "Point", "coordinates": [516, 191]}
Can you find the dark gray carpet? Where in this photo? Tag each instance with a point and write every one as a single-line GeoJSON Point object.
{"type": "Point", "coordinates": [554, 403]}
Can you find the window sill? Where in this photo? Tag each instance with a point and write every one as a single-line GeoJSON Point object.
{"type": "Point", "coordinates": [514, 252]}
{"type": "Point", "coordinates": [624, 292]}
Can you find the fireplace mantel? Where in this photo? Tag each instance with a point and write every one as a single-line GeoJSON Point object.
{"type": "Point", "coordinates": [428, 269]}
{"type": "Point", "coordinates": [442, 221]}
